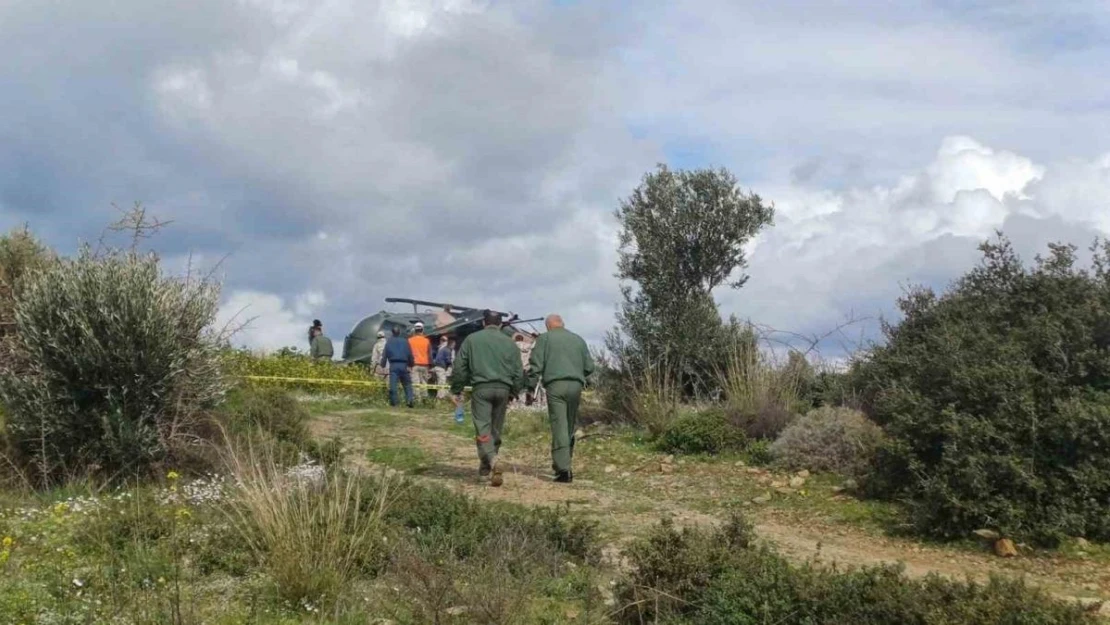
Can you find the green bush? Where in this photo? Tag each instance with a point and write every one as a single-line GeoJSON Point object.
{"type": "Point", "coordinates": [995, 396]}
{"type": "Point", "coordinates": [838, 440]}
{"type": "Point", "coordinates": [720, 578]}
{"type": "Point", "coordinates": [708, 431]}
{"type": "Point", "coordinates": [111, 366]}
{"type": "Point", "coordinates": [434, 515]}
{"type": "Point", "coordinates": [759, 453]}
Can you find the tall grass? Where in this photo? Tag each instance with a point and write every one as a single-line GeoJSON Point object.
{"type": "Point", "coordinates": [760, 395]}
{"type": "Point", "coordinates": [651, 397]}
{"type": "Point", "coordinates": [312, 531]}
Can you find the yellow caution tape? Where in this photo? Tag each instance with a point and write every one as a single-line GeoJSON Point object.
{"type": "Point", "coordinates": [341, 382]}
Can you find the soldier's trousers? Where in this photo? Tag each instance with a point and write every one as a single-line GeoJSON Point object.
{"type": "Point", "coordinates": [488, 403]}
{"type": "Point", "coordinates": [563, 397]}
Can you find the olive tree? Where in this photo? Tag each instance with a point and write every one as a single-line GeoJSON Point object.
{"type": "Point", "coordinates": [682, 235]}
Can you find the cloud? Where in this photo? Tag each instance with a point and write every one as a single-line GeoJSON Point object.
{"type": "Point", "coordinates": [834, 255]}
{"type": "Point", "coordinates": [473, 151]}
{"type": "Point", "coordinates": [267, 322]}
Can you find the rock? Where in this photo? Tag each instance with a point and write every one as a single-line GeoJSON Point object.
{"type": "Point", "coordinates": [777, 484]}
{"type": "Point", "coordinates": [753, 470]}
{"type": "Point", "coordinates": [611, 468]}
{"type": "Point", "coordinates": [802, 474]}
{"type": "Point", "coordinates": [765, 498]}
{"type": "Point", "coordinates": [1082, 543]}
{"type": "Point", "coordinates": [1004, 548]}
{"type": "Point", "coordinates": [579, 433]}
{"type": "Point", "coordinates": [985, 534]}
{"type": "Point", "coordinates": [625, 475]}
{"type": "Point", "coordinates": [797, 482]}
{"type": "Point", "coordinates": [457, 610]}
{"type": "Point", "coordinates": [851, 485]}
{"type": "Point", "coordinates": [740, 463]}
{"type": "Point", "coordinates": [669, 459]}
{"type": "Point", "coordinates": [784, 491]}
{"type": "Point", "coordinates": [682, 461]}
{"type": "Point", "coordinates": [836, 490]}
{"type": "Point", "coordinates": [571, 614]}
{"type": "Point", "coordinates": [666, 468]}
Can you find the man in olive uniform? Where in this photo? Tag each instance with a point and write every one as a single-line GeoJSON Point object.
{"type": "Point", "coordinates": [561, 361]}
{"type": "Point", "coordinates": [321, 346]}
{"type": "Point", "coordinates": [490, 363]}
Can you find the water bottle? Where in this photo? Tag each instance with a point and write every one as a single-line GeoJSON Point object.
{"type": "Point", "coordinates": [459, 414]}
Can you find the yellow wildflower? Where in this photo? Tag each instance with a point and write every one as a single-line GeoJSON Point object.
{"type": "Point", "coordinates": [7, 542]}
{"type": "Point", "coordinates": [172, 475]}
{"type": "Point", "coordinates": [183, 513]}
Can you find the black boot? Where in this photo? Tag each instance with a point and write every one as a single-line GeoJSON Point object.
{"type": "Point", "coordinates": [564, 477]}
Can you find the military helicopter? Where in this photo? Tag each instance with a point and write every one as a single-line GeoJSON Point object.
{"type": "Point", "coordinates": [457, 322]}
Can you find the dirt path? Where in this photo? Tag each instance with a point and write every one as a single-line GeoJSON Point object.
{"type": "Point", "coordinates": [643, 494]}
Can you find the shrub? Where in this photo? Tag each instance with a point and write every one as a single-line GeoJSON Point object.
{"type": "Point", "coordinates": [759, 396]}
{"type": "Point", "coordinates": [111, 364]}
{"type": "Point", "coordinates": [650, 398]}
{"type": "Point", "coordinates": [839, 440]}
{"type": "Point", "coordinates": [312, 533]}
{"type": "Point", "coordinates": [759, 452]}
{"type": "Point", "coordinates": [719, 577]}
{"type": "Point", "coordinates": [708, 431]}
{"type": "Point", "coordinates": [437, 515]}
{"type": "Point", "coordinates": [995, 398]}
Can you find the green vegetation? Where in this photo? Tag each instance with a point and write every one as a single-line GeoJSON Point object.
{"type": "Point", "coordinates": [722, 577]}
{"type": "Point", "coordinates": [708, 431]}
{"type": "Point", "coordinates": [837, 440]}
{"type": "Point", "coordinates": [995, 398]}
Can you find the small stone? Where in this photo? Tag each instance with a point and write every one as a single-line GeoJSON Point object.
{"type": "Point", "coordinates": [784, 491]}
{"type": "Point", "coordinates": [766, 498]}
{"type": "Point", "coordinates": [1004, 548]}
{"type": "Point", "coordinates": [740, 463]}
{"type": "Point", "coordinates": [1082, 543]}
{"type": "Point", "coordinates": [579, 433]}
{"type": "Point", "coordinates": [851, 485]}
{"type": "Point", "coordinates": [682, 461]}
{"type": "Point", "coordinates": [986, 534]}
{"type": "Point", "coordinates": [457, 610]}
{"type": "Point", "coordinates": [802, 474]}
{"type": "Point", "coordinates": [666, 468]}
{"type": "Point", "coordinates": [836, 490]}
{"type": "Point", "coordinates": [625, 475]}
{"type": "Point", "coordinates": [611, 468]}
{"type": "Point", "coordinates": [571, 614]}
{"type": "Point", "coordinates": [753, 470]}
{"type": "Point", "coordinates": [777, 484]}
{"type": "Point", "coordinates": [797, 482]}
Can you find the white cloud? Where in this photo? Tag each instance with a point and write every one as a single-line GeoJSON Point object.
{"type": "Point", "coordinates": [273, 322]}
{"type": "Point", "coordinates": [834, 253]}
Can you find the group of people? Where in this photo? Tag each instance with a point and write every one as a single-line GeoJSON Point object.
{"type": "Point", "coordinates": [413, 360]}
{"type": "Point", "coordinates": [490, 363]}
{"type": "Point", "coordinates": [500, 371]}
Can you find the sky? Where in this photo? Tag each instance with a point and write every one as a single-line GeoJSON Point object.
{"type": "Point", "coordinates": [323, 155]}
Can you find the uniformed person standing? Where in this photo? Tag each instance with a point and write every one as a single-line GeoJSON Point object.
{"type": "Point", "coordinates": [320, 345]}
{"type": "Point", "coordinates": [561, 361]}
{"type": "Point", "coordinates": [376, 356]}
{"type": "Point", "coordinates": [490, 363]}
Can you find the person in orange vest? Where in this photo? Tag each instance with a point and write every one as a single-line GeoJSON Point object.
{"type": "Point", "coordinates": [421, 357]}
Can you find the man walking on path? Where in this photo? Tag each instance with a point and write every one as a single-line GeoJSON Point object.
{"type": "Point", "coordinates": [422, 357]}
{"type": "Point", "coordinates": [490, 363]}
{"type": "Point", "coordinates": [561, 361]}
{"type": "Point", "coordinates": [398, 356]}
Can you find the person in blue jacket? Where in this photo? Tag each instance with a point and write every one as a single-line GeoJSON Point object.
{"type": "Point", "coordinates": [398, 357]}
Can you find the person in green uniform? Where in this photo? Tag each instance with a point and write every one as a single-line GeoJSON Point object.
{"type": "Point", "coordinates": [489, 362]}
{"type": "Point", "coordinates": [561, 361]}
{"type": "Point", "coordinates": [321, 345]}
